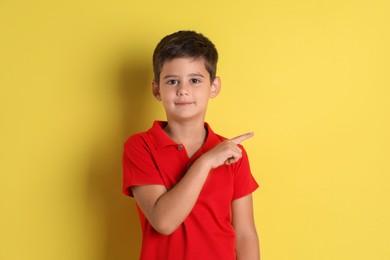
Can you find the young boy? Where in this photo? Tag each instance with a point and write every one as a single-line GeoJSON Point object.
{"type": "Point", "coordinates": [192, 187]}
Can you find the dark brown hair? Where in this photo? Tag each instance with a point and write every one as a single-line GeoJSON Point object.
{"type": "Point", "coordinates": [185, 44]}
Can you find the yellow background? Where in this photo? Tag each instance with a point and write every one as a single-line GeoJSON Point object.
{"type": "Point", "coordinates": [310, 78]}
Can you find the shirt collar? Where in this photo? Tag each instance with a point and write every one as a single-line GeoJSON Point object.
{"type": "Point", "coordinates": [160, 139]}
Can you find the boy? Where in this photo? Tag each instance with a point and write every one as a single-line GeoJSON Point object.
{"type": "Point", "coordinates": [192, 187]}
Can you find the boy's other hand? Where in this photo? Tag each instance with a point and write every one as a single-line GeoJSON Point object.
{"type": "Point", "coordinates": [227, 152]}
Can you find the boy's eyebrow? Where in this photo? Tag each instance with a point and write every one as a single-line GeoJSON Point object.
{"type": "Point", "coordinates": [169, 76]}
{"type": "Point", "coordinates": [192, 75]}
{"type": "Point", "coordinates": [196, 74]}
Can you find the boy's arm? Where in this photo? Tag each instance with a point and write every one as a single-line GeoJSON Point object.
{"type": "Point", "coordinates": [167, 209]}
{"type": "Point", "coordinates": [247, 242]}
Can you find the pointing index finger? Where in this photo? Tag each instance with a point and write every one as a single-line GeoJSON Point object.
{"type": "Point", "coordinates": [241, 138]}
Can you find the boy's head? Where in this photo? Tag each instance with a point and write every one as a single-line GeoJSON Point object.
{"type": "Point", "coordinates": [183, 44]}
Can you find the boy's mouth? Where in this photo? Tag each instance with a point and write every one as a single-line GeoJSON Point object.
{"type": "Point", "coordinates": [183, 103]}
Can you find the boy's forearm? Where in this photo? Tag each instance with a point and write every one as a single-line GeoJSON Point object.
{"type": "Point", "coordinates": [174, 206]}
{"type": "Point", "coordinates": [248, 248]}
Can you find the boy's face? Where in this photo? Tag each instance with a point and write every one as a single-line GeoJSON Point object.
{"type": "Point", "coordinates": [185, 88]}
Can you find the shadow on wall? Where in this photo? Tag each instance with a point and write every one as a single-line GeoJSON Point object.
{"type": "Point", "coordinates": [122, 237]}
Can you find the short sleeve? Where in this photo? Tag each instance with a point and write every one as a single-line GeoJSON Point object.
{"type": "Point", "coordinates": [138, 164]}
{"type": "Point", "coordinates": [244, 182]}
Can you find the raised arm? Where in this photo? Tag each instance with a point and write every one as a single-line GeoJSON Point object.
{"type": "Point", "coordinates": [167, 209]}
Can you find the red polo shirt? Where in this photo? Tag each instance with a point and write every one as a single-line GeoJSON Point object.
{"type": "Point", "coordinates": [207, 233]}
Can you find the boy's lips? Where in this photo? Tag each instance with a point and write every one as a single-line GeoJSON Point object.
{"type": "Point", "coordinates": [183, 103]}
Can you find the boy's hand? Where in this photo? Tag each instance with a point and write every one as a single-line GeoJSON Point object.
{"type": "Point", "coordinates": [226, 152]}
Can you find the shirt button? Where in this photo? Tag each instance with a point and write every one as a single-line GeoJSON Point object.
{"type": "Point", "coordinates": [180, 147]}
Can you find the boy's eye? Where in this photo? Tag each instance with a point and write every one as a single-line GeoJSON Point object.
{"type": "Point", "coordinates": [194, 81]}
{"type": "Point", "coordinates": [173, 82]}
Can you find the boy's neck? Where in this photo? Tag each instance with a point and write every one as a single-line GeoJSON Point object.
{"type": "Point", "coordinates": [186, 132]}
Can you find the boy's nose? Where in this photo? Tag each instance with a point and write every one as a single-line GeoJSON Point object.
{"type": "Point", "coordinates": [182, 90]}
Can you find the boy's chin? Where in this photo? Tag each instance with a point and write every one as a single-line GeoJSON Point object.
{"type": "Point", "coordinates": [186, 117]}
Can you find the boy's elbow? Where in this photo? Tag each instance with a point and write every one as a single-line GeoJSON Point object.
{"type": "Point", "coordinates": [162, 222]}
{"type": "Point", "coordinates": [165, 232]}
{"type": "Point", "coordinates": [164, 228]}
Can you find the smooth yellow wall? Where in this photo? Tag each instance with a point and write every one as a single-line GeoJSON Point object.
{"type": "Point", "coordinates": [310, 78]}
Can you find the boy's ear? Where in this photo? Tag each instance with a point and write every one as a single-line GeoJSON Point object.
{"type": "Point", "coordinates": [215, 87]}
{"type": "Point", "coordinates": [156, 90]}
